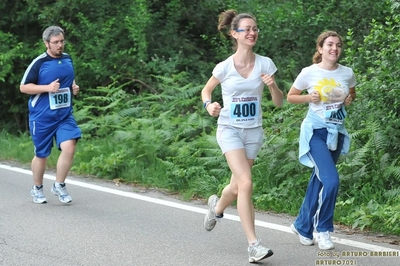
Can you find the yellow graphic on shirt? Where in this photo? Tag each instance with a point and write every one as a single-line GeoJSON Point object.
{"type": "Point", "coordinates": [330, 91]}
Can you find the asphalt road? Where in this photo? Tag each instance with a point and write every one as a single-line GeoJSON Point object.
{"type": "Point", "coordinates": [108, 224]}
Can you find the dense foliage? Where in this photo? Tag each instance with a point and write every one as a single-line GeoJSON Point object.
{"type": "Point", "coordinates": [141, 65]}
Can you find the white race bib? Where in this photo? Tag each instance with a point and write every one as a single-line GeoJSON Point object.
{"type": "Point", "coordinates": [60, 99]}
{"type": "Point", "coordinates": [334, 113]}
{"type": "Point", "coordinates": [244, 110]}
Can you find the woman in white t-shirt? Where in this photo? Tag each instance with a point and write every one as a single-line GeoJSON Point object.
{"type": "Point", "coordinates": [330, 87]}
{"type": "Point", "coordinates": [243, 77]}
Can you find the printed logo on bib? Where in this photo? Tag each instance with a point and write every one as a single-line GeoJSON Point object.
{"type": "Point", "coordinates": [334, 113]}
{"type": "Point", "coordinates": [244, 109]}
{"type": "Point", "coordinates": [60, 99]}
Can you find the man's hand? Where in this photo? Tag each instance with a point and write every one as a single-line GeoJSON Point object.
{"type": "Point", "coordinates": [54, 86]}
{"type": "Point", "coordinates": [75, 88]}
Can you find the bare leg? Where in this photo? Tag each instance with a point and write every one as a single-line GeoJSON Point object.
{"type": "Point", "coordinates": [228, 196]}
{"type": "Point", "coordinates": [38, 167]}
{"type": "Point", "coordinates": [65, 160]}
{"type": "Point", "coordinates": [240, 188]}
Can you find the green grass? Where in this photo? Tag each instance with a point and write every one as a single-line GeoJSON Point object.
{"type": "Point", "coordinates": [20, 149]}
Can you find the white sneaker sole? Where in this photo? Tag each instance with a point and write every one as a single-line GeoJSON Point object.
{"type": "Point", "coordinates": [254, 259]}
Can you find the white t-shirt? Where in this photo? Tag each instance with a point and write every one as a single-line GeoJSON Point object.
{"type": "Point", "coordinates": [242, 96]}
{"type": "Point", "coordinates": [333, 87]}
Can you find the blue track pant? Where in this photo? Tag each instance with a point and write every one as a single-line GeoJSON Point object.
{"type": "Point", "coordinates": [317, 209]}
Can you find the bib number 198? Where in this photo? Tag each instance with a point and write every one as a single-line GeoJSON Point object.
{"type": "Point", "coordinates": [60, 99]}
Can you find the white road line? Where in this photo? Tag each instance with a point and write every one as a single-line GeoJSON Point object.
{"type": "Point", "coordinates": [272, 226]}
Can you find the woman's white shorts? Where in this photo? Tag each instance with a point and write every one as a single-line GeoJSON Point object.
{"type": "Point", "coordinates": [232, 138]}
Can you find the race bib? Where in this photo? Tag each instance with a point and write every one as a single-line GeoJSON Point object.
{"type": "Point", "coordinates": [60, 99]}
{"type": "Point", "coordinates": [334, 113]}
{"type": "Point", "coordinates": [242, 112]}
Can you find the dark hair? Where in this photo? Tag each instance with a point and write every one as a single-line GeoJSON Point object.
{"type": "Point", "coordinates": [52, 31]}
{"type": "Point", "coordinates": [317, 58]}
{"type": "Point", "coordinates": [229, 20]}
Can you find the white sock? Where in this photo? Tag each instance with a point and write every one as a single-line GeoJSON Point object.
{"type": "Point", "coordinates": [254, 243]}
{"type": "Point", "coordinates": [57, 184]}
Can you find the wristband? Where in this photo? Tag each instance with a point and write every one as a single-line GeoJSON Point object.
{"type": "Point", "coordinates": [205, 103]}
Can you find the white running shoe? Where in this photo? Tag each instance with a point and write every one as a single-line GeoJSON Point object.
{"type": "Point", "coordinates": [324, 241]}
{"type": "Point", "coordinates": [38, 195]}
{"type": "Point", "coordinates": [211, 218]}
{"type": "Point", "coordinates": [61, 192]}
{"type": "Point", "coordinates": [303, 240]}
{"type": "Point", "coordinates": [258, 252]}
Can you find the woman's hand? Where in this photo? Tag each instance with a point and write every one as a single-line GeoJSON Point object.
{"type": "Point", "coordinates": [348, 100]}
{"type": "Point", "coordinates": [315, 98]}
{"type": "Point", "coordinates": [214, 109]}
{"type": "Point", "coordinates": [267, 79]}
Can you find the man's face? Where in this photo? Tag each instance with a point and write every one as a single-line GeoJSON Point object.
{"type": "Point", "coordinates": [55, 47]}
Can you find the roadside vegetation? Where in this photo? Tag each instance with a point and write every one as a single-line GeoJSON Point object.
{"type": "Point", "coordinates": [142, 64]}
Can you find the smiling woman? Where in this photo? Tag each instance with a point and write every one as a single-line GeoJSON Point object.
{"type": "Point", "coordinates": [323, 137]}
{"type": "Point", "coordinates": [243, 77]}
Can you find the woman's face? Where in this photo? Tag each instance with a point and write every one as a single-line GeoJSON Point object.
{"type": "Point", "coordinates": [331, 49]}
{"type": "Point", "coordinates": [247, 32]}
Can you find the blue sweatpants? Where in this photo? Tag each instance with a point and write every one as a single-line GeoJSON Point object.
{"type": "Point", "coordinates": [317, 209]}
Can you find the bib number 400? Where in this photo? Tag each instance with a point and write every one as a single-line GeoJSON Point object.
{"type": "Point", "coordinates": [244, 110]}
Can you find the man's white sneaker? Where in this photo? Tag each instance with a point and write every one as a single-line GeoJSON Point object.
{"type": "Point", "coordinates": [324, 241]}
{"type": "Point", "coordinates": [303, 240]}
{"type": "Point", "coordinates": [38, 195]}
{"type": "Point", "coordinates": [61, 192]}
